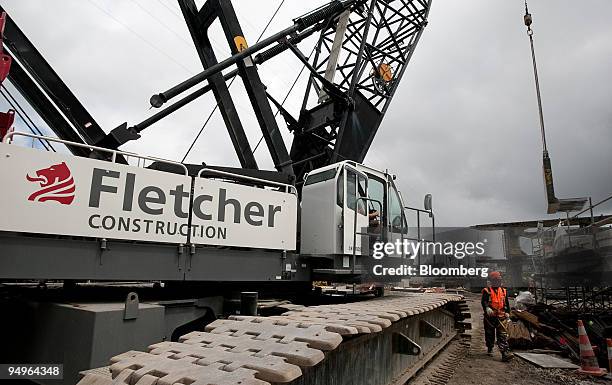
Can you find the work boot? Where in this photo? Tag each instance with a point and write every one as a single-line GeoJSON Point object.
{"type": "Point", "coordinates": [490, 350]}
{"type": "Point", "coordinates": [506, 356]}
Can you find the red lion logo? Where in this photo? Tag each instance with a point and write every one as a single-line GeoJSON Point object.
{"type": "Point", "coordinates": [56, 184]}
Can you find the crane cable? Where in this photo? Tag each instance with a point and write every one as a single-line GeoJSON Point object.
{"type": "Point", "coordinates": [167, 27]}
{"type": "Point", "coordinates": [21, 113]}
{"type": "Point", "coordinates": [141, 37]}
{"type": "Point", "coordinates": [229, 85]}
{"type": "Point", "coordinates": [286, 96]}
{"type": "Point", "coordinates": [162, 23]}
{"type": "Point", "coordinates": [172, 11]}
{"type": "Point", "coordinates": [528, 21]}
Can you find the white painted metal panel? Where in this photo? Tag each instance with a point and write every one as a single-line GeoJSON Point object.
{"type": "Point", "coordinates": [321, 218]}
{"type": "Point", "coordinates": [53, 193]}
{"type": "Point", "coordinates": [231, 214]}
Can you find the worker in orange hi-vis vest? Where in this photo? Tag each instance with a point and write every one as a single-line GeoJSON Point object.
{"type": "Point", "coordinates": [496, 308]}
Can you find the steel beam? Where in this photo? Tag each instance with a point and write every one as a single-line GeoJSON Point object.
{"type": "Point", "coordinates": [198, 23]}
{"type": "Point", "coordinates": [57, 258]}
{"type": "Point", "coordinates": [254, 87]}
{"type": "Point", "coordinates": [45, 91]}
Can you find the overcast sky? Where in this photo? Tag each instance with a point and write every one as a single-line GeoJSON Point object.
{"type": "Point", "coordinates": [463, 124]}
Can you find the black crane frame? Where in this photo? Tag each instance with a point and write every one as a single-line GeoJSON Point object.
{"type": "Point", "coordinates": [368, 43]}
{"type": "Point", "coordinates": [378, 34]}
{"type": "Point", "coordinates": [360, 57]}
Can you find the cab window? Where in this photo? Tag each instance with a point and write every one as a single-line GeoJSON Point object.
{"type": "Point", "coordinates": [356, 187]}
{"type": "Point", "coordinates": [320, 177]}
{"type": "Point", "coordinates": [362, 191]}
{"type": "Point", "coordinates": [351, 189]}
{"type": "Point", "coordinates": [340, 189]}
{"type": "Point", "coordinates": [395, 211]}
{"type": "Point", "coordinates": [376, 190]}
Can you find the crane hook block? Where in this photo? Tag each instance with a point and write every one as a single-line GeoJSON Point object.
{"type": "Point", "coordinates": [528, 20]}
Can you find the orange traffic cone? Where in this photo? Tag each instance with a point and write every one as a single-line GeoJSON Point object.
{"type": "Point", "coordinates": [588, 361]}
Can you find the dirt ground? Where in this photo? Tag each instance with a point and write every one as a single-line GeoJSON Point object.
{"type": "Point", "coordinates": [481, 369]}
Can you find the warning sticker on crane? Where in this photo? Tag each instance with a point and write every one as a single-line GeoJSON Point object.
{"type": "Point", "coordinates": [53, 193]}
{"type": "Point", "coordinates": [241, 43]}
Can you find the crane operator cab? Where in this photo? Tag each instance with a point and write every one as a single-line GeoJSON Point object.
{"type": "Point", "coordinates": [333, 197]}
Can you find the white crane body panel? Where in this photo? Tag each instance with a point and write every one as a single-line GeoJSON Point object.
{"type": "Point", "coordinates": [54, 193]}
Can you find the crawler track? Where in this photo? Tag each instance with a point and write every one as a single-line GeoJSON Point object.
{"type": "Point", "coordinates": [443, 366]}
{"type": "Point", "coordinates": [341, 344]}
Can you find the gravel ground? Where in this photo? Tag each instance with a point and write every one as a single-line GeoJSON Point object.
{"type": "Point", "coordinates": [481, 369]}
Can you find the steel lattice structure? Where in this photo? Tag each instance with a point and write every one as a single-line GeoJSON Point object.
{"type": "Point", "coordinates": [384, 37]}
{"type": "Point", "coordinates": [377, 41]}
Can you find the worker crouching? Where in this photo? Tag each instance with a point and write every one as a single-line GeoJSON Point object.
{"type": "Point", "coordinates": [496, 308]}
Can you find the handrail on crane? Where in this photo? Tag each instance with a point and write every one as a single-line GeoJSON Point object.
{"type": "Point", "coordinates": [288, 188]}
{"type": "Point", "coordinates": [355, 232]}
{"type": "Point", "coordinates": [113, 153]}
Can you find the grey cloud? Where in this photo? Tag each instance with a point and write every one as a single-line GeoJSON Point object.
{"type": "Point", "coordinates": [463, 124]}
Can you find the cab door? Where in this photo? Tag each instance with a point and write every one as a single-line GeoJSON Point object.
{"type": "Point", "coordinates": [377, 207]}
{"type": "Point", "coordinates": [355, 186]}
{"type": "Point", "coordinates": [396, 220]}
